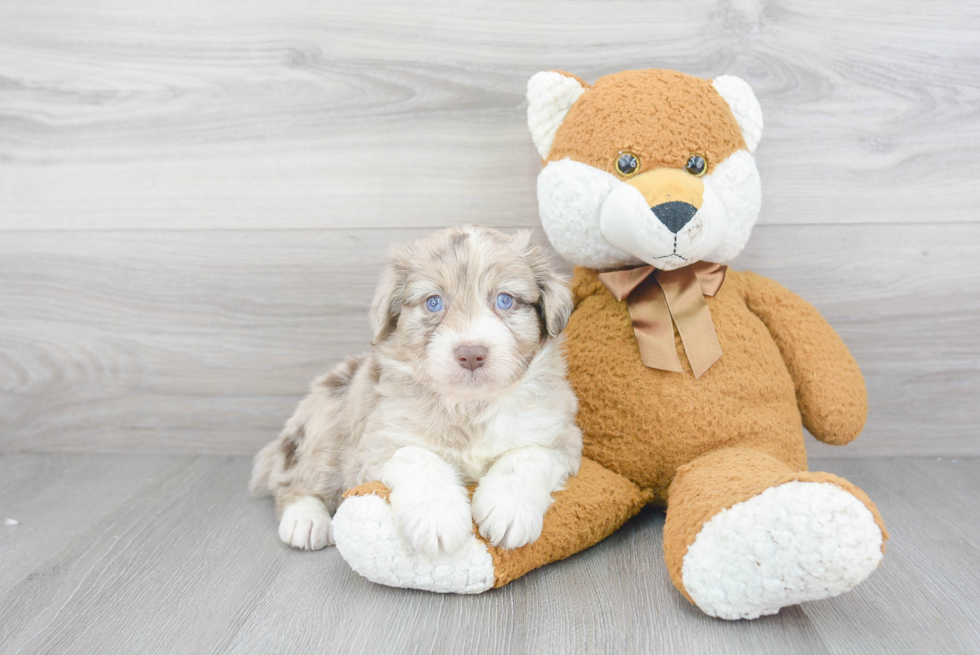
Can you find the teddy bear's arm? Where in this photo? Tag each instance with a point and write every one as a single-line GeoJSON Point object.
{"type": "Point", "coordinates": [830, 389]}
{"type": "Point", "coordinates": [583, 284]}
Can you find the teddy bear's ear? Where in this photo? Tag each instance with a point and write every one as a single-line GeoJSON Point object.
{"type": "Point", "coordinates": [744, 105]}
{"type": "Point", "coordinates": [550, 94]}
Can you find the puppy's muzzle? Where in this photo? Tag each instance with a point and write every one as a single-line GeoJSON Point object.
{"type": "Point", "coordinates": [471, 357]}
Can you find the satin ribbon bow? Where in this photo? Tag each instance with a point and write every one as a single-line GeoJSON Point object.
{"type": "Point", "coordinates": [656, 297]}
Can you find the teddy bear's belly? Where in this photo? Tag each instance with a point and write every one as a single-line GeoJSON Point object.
{"type": "Point", "coordinates": [644, 423]}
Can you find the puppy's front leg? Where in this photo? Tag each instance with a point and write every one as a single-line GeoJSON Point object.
{"type": "Point", "coordinates": [430, 505]}
{"type": "Point", "coordinates": [510, 502]}
{"type": "Point", "coordinates": [306, 524]}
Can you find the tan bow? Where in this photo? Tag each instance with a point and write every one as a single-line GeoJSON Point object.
{"type": "Point", "coordinates": [655, 297]}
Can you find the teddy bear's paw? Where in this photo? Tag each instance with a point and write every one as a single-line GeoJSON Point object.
{"type": "Point", "coordinates": [792, 543]}
{"type": "Point", "coordinates": [369, 540]}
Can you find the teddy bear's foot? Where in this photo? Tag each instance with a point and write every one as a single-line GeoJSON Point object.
{"type": "Point", "coordinates": [368, 538]}
{"type": "Point", "coordinates": [746, 534]}
{"type": "Point", "coordinates": [796, 542]}
{"type": "Point", "coordinates": [592, 505]}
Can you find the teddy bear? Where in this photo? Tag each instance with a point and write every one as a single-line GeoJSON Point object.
{"type": "Point", "coordinates": [694, 381]}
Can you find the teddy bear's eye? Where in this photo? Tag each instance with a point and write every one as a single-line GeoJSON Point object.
{"type": "Point", "coordinates": [696, 165]}
{"type": "Point", "coordinates": [627, 163]}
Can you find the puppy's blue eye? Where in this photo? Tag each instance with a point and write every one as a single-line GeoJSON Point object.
{"type": "Point", "coordinates": [434, 304]}
{"type": "Point", "coordinates": [505, 301]}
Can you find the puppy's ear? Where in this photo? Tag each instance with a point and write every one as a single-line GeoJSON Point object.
{"type": "Point", "coordinates": [387, 303]}
{"type": "Point", "coordinates": [555, 303]}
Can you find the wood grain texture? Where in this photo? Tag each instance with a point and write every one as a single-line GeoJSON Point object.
{"type": "Point", "coordinates": [196, 198]}
{"type": "Point", "coordinates": [187, 563]}
{"type": "Point", "coordinates": [299, 114]}
{"type": "Point", "coordinates": [204, 341]}
{"type": "Point", "coordinates": [57, 498]}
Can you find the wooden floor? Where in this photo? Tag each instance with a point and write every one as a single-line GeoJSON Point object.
{"type": "Point", "coordinates": [166, 553]}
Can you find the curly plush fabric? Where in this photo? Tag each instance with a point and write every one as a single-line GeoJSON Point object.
{"type": "Point", "coordinates": [749, 529]}
{"type": "Point", "coordinates": [787, 544]}
{"type": "Point", "coordinates": [368, 539]}
{"type": "Point", "coordinates": [644, 423]}
{"type": "Point", "coordinates": [592, 506]}
{"type": "Point", "coordinates": [662, 117]}
{"type": "Point", "coordinates": [722, 479]}
{"type": "Point", "coordinates": [551, 94]}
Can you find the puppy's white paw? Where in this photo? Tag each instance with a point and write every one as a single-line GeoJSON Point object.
{"type": "Point", "coordinates": [508, 515]}
{"type": "Point", "coordinates": [306, 524]}
{"type": "Point", "coordinates": [435, 519]}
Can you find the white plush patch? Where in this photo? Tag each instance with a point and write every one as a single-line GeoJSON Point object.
{"type": "Point", "coordinates": [596, 220]}
{"type": "Point", "coordinates": [369, 541]}
{"type": "Point", "coordinates": [570, 197]}
{"type": "Point", "coordinates": [627, 222]}
{"type": "Point", "coordinates": [744, 105]}
{"type": "Point", "coordinates": [793, 543]}
{"type": "Point", "coordinates": [549, 97]}
{"type": "Point", "coordinates": [736, 183]}
{"type": "Point", "coordinates": [306, 524]}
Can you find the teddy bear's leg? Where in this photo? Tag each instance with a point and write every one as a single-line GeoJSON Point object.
{"type": "Point", "coordinates": [746, 535]}
{"type": "Point", "coordinates": [592, 506]}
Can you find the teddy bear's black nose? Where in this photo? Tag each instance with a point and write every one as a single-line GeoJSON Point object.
{"type": "Point", "coordinates": [675, 215]}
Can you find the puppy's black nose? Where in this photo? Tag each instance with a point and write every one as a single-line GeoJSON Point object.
{"type": "Point", "coordinates": [471, 357]}
{"type": "Point", "coordinates": [675, 215]}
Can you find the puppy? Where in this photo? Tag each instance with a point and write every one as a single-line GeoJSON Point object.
{"type": "Point", "coordinates": [465, 385]}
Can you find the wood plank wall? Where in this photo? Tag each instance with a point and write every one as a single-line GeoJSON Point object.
{"type": "Point", "coordinates": [196, 197]}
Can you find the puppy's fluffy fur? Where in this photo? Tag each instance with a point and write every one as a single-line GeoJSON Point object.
{"type": "Point", "coordinates": [411, 415]}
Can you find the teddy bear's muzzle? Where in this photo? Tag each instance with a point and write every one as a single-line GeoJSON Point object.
{"type": "Point", "coordinates": [674, 215]}
{"type": "Point", "coordinates": [663, 185]}
{"type": "Point", "coordinates": [674, 196]}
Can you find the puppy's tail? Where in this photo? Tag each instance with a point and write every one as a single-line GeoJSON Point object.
{"type": "Point", "coordinates": [262, 467]}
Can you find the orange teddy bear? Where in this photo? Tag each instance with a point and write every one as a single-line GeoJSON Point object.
{"type": "Point", "coordinates": [694, 381]}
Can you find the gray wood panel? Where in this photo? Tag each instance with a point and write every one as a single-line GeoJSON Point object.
{"type": "Point", "coordinates": [187, 563]}
{"type": "Point", "coordinates": [204, 341]}
{"type": "Point", "coordinates": [57, 498]}
{"type": "Point", "coordinates": [931, 562]}
{"type": "Point", "coordinates": [300, 114]}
